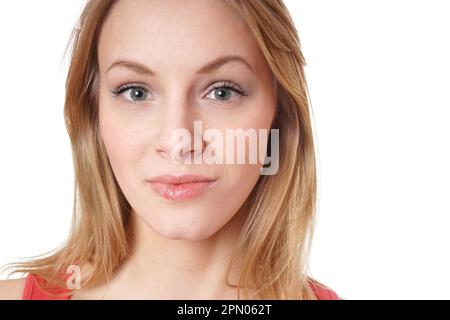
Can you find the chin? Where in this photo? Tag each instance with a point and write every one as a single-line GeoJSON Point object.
{"type": "Point", "coordinates": [184, 233]}
{"type": "Point", "coordinates": [186, 227]}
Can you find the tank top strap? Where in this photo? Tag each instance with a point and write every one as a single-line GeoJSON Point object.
{"type": "Point", "coordinates": [32, 291]}
{"type": "Point", "coordinates": [323, 292]}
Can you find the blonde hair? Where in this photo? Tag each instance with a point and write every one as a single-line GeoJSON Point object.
{"type": "Point", "coordinates": [276, 238]}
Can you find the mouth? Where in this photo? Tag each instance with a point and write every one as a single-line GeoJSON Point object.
{"type": "Point", "coordinates": [181, 188]}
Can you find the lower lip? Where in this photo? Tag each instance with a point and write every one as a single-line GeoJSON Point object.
{"type": "Point", "coordinates": [181, 192]}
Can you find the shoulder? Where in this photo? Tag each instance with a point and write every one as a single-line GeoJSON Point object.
{"type": "Point", "coordinates": [12, 289]}
{"type": "Point", "coordinates": [324, 292]}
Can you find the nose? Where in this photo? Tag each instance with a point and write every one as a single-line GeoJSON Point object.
{"type": "Point", "coordinates": [178, 140]}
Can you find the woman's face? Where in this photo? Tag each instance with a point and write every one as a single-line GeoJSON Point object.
{"type": "Point", "coordinates": [163, 48]}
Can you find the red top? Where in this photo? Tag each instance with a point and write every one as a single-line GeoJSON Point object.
{"type": "Point", "coordinates": [32, 292]}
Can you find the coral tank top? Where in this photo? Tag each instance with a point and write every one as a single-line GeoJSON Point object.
{"type": "Point", "coordinates": [31, 291]}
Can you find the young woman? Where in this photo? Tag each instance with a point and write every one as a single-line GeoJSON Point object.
{"type": "Point", "coordinates": [147, 226]}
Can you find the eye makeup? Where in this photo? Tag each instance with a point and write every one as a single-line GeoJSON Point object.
{"type": "Point", "coordinates": [222, 89]}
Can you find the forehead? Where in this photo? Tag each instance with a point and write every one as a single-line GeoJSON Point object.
{"type": "Point", "coordinates": [180, 33]}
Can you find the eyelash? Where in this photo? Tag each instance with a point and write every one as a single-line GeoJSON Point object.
{"type": "Point", "coordinates": [221, 85]}
{"type": "Point", "coordinates": [229, 85]}
{"type": "Point", "coordinates": [125, 87]}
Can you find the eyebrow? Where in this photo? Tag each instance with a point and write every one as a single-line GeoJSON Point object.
{"type": "Point", "coordinates": [210, 66]}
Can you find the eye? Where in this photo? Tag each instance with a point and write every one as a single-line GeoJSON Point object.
{"type": "Point", "coordinates": [132, 92]}
{"type": "Point", "coordinates": [223, 92]}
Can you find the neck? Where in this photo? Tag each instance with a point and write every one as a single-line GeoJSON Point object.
{"type": "Point", "coordinates": [161, 268]}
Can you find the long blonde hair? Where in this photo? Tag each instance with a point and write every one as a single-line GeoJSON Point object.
{"type": "Point", "coordinates": [275, 242]}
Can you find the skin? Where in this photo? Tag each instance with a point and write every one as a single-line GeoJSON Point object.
{"type": "Point", "coordinates": [181, 250]}
{"type": "Point", "coordinates": [11, 289]}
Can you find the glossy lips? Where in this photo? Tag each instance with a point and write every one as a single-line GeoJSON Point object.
{"type": "Point", "coordinates": [181, 188]}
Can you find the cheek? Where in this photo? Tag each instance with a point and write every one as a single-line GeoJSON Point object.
{"type": "Point", "coordinates": [121, 143]}
{"type": "Point", "coordinates": [239, 179]}
{"type": "Point", "coordinates": [257, 114]}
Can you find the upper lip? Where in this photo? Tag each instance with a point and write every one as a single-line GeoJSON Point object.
{"type": "Point", "coordinates": [187, 178]}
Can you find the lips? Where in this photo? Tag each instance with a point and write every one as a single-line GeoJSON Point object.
{"type": "Point", "coordinates": [181, 188]}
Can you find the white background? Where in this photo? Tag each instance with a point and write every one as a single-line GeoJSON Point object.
{"type": "Point", "coordinates": [379, 76]}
